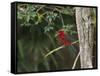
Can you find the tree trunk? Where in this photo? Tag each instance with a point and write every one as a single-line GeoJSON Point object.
{"type": "Point", "coordinates": [85, 34]}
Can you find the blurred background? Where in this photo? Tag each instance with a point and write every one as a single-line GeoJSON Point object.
{"type": "Point", "coordinates": [42, 29]}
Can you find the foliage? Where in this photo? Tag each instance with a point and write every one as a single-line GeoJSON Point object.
{"type": "Point", "coordinates": [37, 33]}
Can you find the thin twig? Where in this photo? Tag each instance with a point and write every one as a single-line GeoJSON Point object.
{"type": "Point", "coordinates": [54, 50]}
{"type": "Point", "coordinates": [62, 20]}
{"type": "Point", "coordinates": [40, 8]}
{"type": "Point", "coordinates": [76, 59]}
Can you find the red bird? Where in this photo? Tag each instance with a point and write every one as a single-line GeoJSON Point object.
{"type": "Point", "coordinates": [63, 38]}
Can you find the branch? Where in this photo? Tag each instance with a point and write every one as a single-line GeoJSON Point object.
{"type": "Point", "coordinates": [54, 51]}
{"type": "Point", "coordinates": [58, 49]}
{"type": "Point", "coordinates": [76, 60]}
{"type": "Point", "coordinates": [40, 8]}
{"type": "Point", "coordinates": [62, 20]}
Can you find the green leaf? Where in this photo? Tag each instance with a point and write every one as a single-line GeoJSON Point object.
{"type": "Point", "coordinates": [68, 11]}
{"type": "Point", "coordinates": [48, 28]}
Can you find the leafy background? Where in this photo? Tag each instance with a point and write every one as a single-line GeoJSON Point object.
{"type": "Point", "coordinates": [37, 30]}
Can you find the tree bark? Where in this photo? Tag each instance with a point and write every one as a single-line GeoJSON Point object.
{"type": "Point", "coordinates": [85, 34]}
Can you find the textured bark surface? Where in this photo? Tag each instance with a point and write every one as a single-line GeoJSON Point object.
{"type": "Point", "coordinates": [85, 33]}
